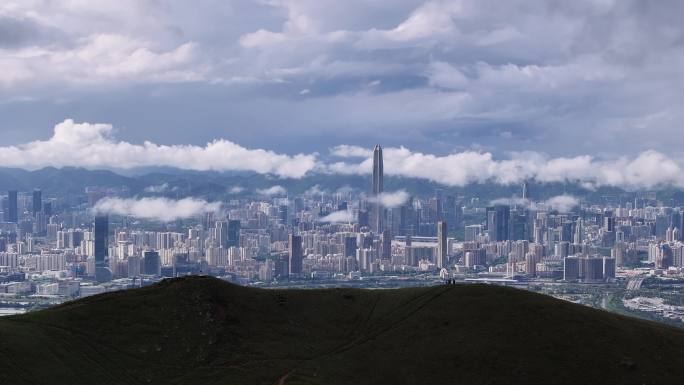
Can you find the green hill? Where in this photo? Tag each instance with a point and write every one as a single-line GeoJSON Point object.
{"type": "Point", "coordinates": [201, 330]}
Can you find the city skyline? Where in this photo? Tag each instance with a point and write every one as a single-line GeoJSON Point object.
{"type": "Point", "coordinates": [341, 191]}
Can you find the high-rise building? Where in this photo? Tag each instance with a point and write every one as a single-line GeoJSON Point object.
{"type": "Point", "coordinates": [441, 260]}
{"type": "Point", "coordinates": [497, 222]}
{"type": "Point", "coordinates": [12, 207]}
{"type": "Point", "coordinates": [526, 190]}
{"type": "Point", "coordinates": [350, 246]}
{"type": "Point", "coordinates": [282, 215]}
{"type": "Point", "coordinates": [151, 263]}
{"type": "Point", "coordinates": [102, 271]}
{"type": "Point", "coordinates": [221, 233]}
{"type": "Point", "coordinates": [579, 232]}
{"type": "Point", "coordinates": [296, 255]}
{"type": "Point", "coordinates": [37, 201]}
{"type": "Point", "coordinates": [571, 269]}
{"type": "Point", "coordinates": [386, 245]}
{"type": "Point", "coordinates": [233, 233]}
{"type": "Point", "coordinates": [377, 210]}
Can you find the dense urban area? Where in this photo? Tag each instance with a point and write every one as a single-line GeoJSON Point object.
{"type": "Point", "coordinates": [625, 257]}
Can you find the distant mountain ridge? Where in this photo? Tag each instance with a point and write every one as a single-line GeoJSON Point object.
{"type": "Point", "coordinates": [217, 185]}
{"type": "Point", "coordinates": [200, 330]}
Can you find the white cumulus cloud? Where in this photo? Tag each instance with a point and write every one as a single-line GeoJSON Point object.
{"type": "Point", "coordinates": [648, 169]}
{"type": "Point", "coordinates": [157, 189]}
{"type": "Point", "coordinates": [160, 209]}
{"type": "Point", "coordinates": [391, 199]}
{"type": "Point", "coordinates": [343, 216]}
{"type": "Point", "coordinates": [92, 146]}
{"type": "Point", "coordinates": [272, 191]}
{"type": "Point", "coordinates": [563, 203]}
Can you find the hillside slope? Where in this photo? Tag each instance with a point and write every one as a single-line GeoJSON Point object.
{"type": "Point", "coordinates": [200, 330]}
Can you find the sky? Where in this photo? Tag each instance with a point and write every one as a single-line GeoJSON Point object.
{"type": "Point", "coordinates": [475, 89]}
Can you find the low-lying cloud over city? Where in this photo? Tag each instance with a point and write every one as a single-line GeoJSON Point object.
{"type": "Point", "coordinates": [160, 209]}
{"type": "Point", "coordinates": [94, 145]}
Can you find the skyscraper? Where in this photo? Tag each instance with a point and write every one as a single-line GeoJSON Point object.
{"type": "Point", "coordinates": [386, 245]}
{"type": "Point", "coordinates": [221, 233]}
{"type": "Point", "coordinates": [233, 233]}
{"type": "Point", "coordinates": [498, 218]}
{"type": "Point", "coordinates": [296, 254]}
{"type": "Point", "coordinates": [377, 211]}
{"type": "Point", "coordinates": [282, 215]}
{"type": "Point", "coordinates": [526, 190]}
{"type": "Point", "coordinates": [441, 260]}
{"type": "Point", "coordinates": [102, 271]}
{"type": "Point", "coordinates": [12, 207]}
{"type": "Point", "coordinates": [37, 201]}
{"type": "Point", "coordinates": [151, 263]}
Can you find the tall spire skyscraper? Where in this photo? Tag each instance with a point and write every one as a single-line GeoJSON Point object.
{"type": "Point", "coordinates": [377, 213]}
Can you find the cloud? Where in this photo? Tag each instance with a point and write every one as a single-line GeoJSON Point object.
{"type": "Point", "coordinates": [160, 209]}
{"type": "Point", "coordinates": [343, 216]}
{"type": "Point", "coordinates": [315, 191]}
{"type": "Point", "coordinates": [391, 199]}
{"type": "Point", "coordinates": [92, 146]}
{"type": "Point", "coordinates": [347, 151]}
{"type": "Point", "coordinates": [563, 203]}
{"type": "Point", "coordinates": [272, 191]}
{"type": "Point", "coordinates": [445, 73]}
{"type": "Point", "coordinates": [236, 190]}
{"type": "Point", "coordinates": [648, 169]}
{"type": "Point", "coordinates": [512, 201]}
{"type": "Point", "coordinates": [157, 189]}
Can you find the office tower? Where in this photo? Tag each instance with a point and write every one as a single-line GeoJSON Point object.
{"type": "Point", "coordinates": [579, 232]}
{"type": "Point", "coordinates": [591, 269]}
{"type": "Point", "coordinates": [296, 255]}
{"type": "Point", "coordinates": [473, 233]}
{"type": "Point", "coordinates": [377, 210]}
{"type": "Point", "coordinates": [609, 222]}
{"type": "Point", "coordinates": [497, 222]}
{"type": "Point", "coordinates": [608, 268]}
{"type": "Point", "coordinates": [531, 263]}
{"type": "Point", "coordinates": [386, 245]}
{"type": "Point", "coordinates": [570, 268]}
{"type": "Point", "coordinates": [350, 246]}
{"type": "Point", "coordinates": [233, 233]}
{"type": "Point", "coordinates": [441, 260]}
{"type": "Point", "coordinates": [518, 225]}
{"type": "Point", "coordinates": [102, 271]}
{"type": "Point", "coordinates": [47, 209]}
{"type": "Point", "coordinates": [298, 205]}
{"type": "Point", "coordinates": [566, 232]}
{"type": "Point", "coordinates": [37, 201]}
{"type": "Point", "coordinates": [221, 233]}
{"type": "Point", "coordinates": [151, 263]}
{"type": "Point", "coordinates": [562, 249]}
{"type": "Point", "coordinates": [526, 190]}
{"type": "Point", "coordinates": [12, 207]}
{"type": "Point", "coordinates": [282, 215]}
{"type": "Point", "coordinates": [451, 211]}
{"type": "Point", "coordinates": [363, 218]}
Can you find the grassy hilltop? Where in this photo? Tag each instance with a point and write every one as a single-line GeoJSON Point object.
{"type": "Point", "coordinates": [200, 330]}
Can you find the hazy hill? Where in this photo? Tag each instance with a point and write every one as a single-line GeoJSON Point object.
{"type": "Point", "coordinates": [205, 331]}
{"type": "Point", "coordinates": [216, 185]}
